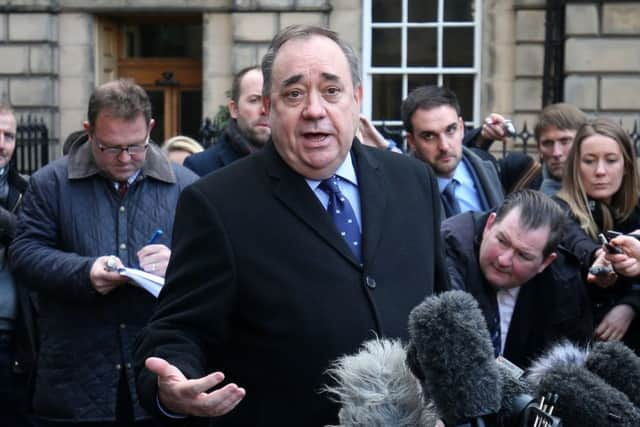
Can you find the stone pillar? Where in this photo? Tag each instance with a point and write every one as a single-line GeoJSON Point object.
{"type": "Point", "coordinates": [29, 71]}
{"type": "Point", "coordinates": [77, 73]}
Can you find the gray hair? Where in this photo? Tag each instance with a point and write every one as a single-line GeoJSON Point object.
{"type": "Point", "coordinates": [294, 32]}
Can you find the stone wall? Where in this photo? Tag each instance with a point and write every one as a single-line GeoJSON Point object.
{"type": "Point", "coordinates": [602, 58]}
{"type": "Point", "coordinates": [28, 70]}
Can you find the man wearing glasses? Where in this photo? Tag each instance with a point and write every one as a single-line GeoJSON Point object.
{"type": "Point", "coordinates": [83, 216]}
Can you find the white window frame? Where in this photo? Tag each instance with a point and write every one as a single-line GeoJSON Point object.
{"type": "Point", "coordinates": [368, 70]}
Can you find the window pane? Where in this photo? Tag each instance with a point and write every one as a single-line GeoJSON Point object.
{"type": "Point", "coordinates": [416, 80]}
{"type": "Point", "coordinates": [157, 110]}
{"type": "Point", "coordinates": [386, 11]}
{"type": "Point", "coordinates": [422, 47]}
{"type": "Point", "coordinates": [459, 10]}
{"type": "Point", "coordinates": [462, 86]}
{"type": "Point", "coordinates": [458, 47]}
{"type": "Point", "coordinates": [163, 41]}
{"type": "Point", "coordinates": [423, 10]}
{"type": "Point", "coordinates": [190, 113]}
{"type": "Point", "coordinates": [387, 95]}
{"type": "Point", "coordinates": [386, 45]}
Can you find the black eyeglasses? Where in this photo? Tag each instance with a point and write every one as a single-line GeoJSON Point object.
{"type": "Point", "coordinates": [132, 150]}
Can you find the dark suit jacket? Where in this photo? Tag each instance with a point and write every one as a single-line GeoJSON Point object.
{"type": "Point", "coordinates": [262, 287]}
{"type": "Point", "coordinates": [552, 306]}
{"type": "Point", "coordinates": [213, 158]}
{"type": "Point", "coordinates": [486, 178]}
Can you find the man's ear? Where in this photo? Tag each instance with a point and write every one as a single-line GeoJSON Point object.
{"type": "Point", "coordinates": [233, 109]}
{"type": "Point", "coordinates": [266, 104]}
{"type": "Point", "coordinates": [152, 124]}
{"type": "Point", "coordinates": [358, 95]}
{"type": "Point", "coordinates": [86, 126]}
{"type": "Point", "coordinates": [548, 260]}
{"type": "Point", "coordinates": [490, 221]}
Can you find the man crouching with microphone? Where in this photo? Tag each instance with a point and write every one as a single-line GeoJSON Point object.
{"type": "Point", "coordinates": [529, 289]}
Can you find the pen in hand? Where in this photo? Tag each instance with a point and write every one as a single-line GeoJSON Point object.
{"type": "Point", "coordinates": [155, 236]}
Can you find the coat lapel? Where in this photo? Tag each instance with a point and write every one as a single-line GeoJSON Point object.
{"type": "Point", "coordinates": [293, 191]}
{"type": "Point", "coordinates": [373, 200]}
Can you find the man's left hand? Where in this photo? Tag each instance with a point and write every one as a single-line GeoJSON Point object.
{"type": "Point", "coordinates": [615, 324]}
{"type": "Point", "coordinates": [154, 259]}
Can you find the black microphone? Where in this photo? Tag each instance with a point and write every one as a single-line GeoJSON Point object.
{"type": "Point", "coordinates": [618, 365]}
{"type": "Point", "coordinates": [584, 399]}
{"type": "Point", "coordinates": [450, 351]}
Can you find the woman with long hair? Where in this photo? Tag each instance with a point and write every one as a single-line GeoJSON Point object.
{"type": "Point", "coordinates": [600, 189]}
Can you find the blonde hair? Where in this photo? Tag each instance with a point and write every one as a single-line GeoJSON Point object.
{"type": "Point", "coordinates": [623, 202]}
{"type": "Point", "coordinates": [182, 143]}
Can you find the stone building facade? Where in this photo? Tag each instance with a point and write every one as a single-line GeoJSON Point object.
{"type": "Point", "coordinates": [54, 52]}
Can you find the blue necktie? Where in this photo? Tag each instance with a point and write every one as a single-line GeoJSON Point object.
{"type": "Point", "coordinates": [449, 201]}
{"type": "Point", "coordinates": [496, 336]}
{"type": "Point", "coordinates": [342, 215]}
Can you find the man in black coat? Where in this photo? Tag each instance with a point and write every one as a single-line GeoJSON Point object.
{"type": "Point", "coordinates": [247, 130]}
{"type": "Point", "coordinates": [261, 285]}
{"type": "Point", "coordinates": [529, 290]}
{"type": "Point", "coordinates": [13, 381]}
{"type": "Point", "coordinates": [432, 118]}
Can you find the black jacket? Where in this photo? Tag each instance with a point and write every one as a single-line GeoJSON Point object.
{"type": "Point", "coordinates": [263, 288]}
{"type": "Point", "coordinates": [70, 216]}
{"type": "Point", "coordinates": [625, 290]}
{"type": "Point", "coordinates": [551, 306]}
{"type": "Point", "coordinates": [231, 146]}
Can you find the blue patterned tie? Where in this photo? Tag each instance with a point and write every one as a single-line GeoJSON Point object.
{"type": "Point", "coordinates": [496, 336]}
{"type": "Point", "coordinates": [342, 215]}
{"type": "Point", "coordinates": [451, 205]}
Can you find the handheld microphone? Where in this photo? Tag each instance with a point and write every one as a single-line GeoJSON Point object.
{"type": "Point", "coordinates": [450, 351]}
{"type": "Point", "coordinates": [618, 365]}
{"type": "Point", "coordinates": [584, 399]}
{"type": "Point", "coordinates": [375, 388]}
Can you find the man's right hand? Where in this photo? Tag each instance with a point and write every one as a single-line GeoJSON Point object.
{"type": "Point", "coordinates": [103, 279]}
{"type": "Point", "coordinates": [190, 397]}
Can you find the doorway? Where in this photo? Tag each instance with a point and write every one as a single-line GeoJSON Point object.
{"type": "Point", "coordinates": [163, 54]}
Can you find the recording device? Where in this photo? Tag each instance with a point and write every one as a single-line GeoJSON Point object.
{"type": "Point", "coordinates": [584, 398]}
{"type": "Point", "coordinates": [376, 389]}
{"type": "Point", "coordinates": [618, 365]}
{"type": "Point", "coordinates": [600, 270]}
{"type": "Point", "coordinates": [611, 234]}
{"type": "Point", "coordinates": [509, 128]}
{"type": "Point", "coordinates": [450, 352]}
{"type": "Point", "coordinates": [609, 247]}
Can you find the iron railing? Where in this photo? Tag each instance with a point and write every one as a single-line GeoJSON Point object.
{"type": "Point", "coordinates": [32, 145]}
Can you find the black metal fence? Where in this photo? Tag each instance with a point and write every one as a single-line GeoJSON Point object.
{"type": "Point", "coordinates": [32, 145]}
{"type": "Point", "coordinates": [525, 140]}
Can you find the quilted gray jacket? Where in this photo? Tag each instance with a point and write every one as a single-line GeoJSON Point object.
{"type": "Point", "coordinates": [70, 216]}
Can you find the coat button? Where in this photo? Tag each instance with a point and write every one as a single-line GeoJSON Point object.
{"type": "Point", "coordinates": [371, 282]}
{"type": "Point", "coordinates": [123, 246]}
{"type": "Point", "coordinates": [128, 365]}
{"type": "Point", "coordinates": [122, 209]}
{"type": "Point", "coordinates": [122, 325]}
{"type": "Point", "coordinates": [118, 367]}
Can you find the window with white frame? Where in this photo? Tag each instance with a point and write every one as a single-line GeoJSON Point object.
{"type": "Point", "coordinates": [409, 43]}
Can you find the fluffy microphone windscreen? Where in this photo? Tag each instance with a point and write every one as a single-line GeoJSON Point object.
{"type": "Point", "coordinates": [584, 399]}
{"type": "Point", "coordinates": [376, 389]}
{"type": "Point", "coordinates": [450, 350]}
{"type": "Point", "coordinates": [618, 365]}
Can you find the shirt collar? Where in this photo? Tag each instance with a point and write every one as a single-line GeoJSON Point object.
{"type": "Point", "coordinates": [345, 171]}
{"type": "Point", "coordinates": [460, 174]}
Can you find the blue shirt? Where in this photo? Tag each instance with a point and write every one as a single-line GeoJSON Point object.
{"type": "Point", "coordinates": [466, 192]}
{"type": "Point", "coordinates": [348, 184]}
